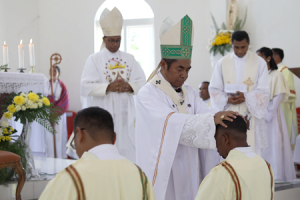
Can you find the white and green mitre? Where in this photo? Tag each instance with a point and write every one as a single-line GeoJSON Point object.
{"type": "Point", "coordinates": [177, 40]}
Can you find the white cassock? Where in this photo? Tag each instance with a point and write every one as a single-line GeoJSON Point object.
{"type": "Point", "coordinates": [100, 70]}
{"type": "Point", "coordinates": [209, 158]}
{"type": "Point", "coordinates": [61, 137]}
{"type": "Point", "coordinates": [250, 76]}
{"type": "Point", "coordinates": [170, 127]}
{"type": "Point", "coordinates": [278, 153]}
{"type": "Point", "coordinates": [297, 150]}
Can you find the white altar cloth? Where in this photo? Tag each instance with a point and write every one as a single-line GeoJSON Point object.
{"type": "Point", "coordinates": [25, 82]}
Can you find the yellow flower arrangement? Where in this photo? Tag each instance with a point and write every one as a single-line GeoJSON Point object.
{"type": "Point", "coordinates": [19, 100]}
{"type": "Point", "coordinates": [46, 101]}
{"type": "Point", "coordinates": [8, 115]}
{"type": "Point", "coordinates": [32, 107]}
{"type": "Point", "coordinates": [221, 42]}
{"type": "Point", "coordinates": [11, 108]}
{"type": "Point", "coordinates": [6, 131]}
{"type": "Point", "coordinates": [33, 97]}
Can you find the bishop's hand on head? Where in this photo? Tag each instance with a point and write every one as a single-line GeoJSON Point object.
{"type": "Point", "coordinates": [224, 115]}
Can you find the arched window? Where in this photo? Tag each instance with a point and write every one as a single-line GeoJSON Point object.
{"type": "Point", "coordinates": [137, 33]}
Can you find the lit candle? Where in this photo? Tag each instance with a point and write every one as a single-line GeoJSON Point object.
{"type": "Point", "coordinates": [5, 54]}
{"type": "Point", "coordinates": [21, 55]}
{"type": "Point", "coordinates": [31, 54]}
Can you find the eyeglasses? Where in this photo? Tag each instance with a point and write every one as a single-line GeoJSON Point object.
{"type": "Point", "coordinates": [72, 142]}
{"type": "Point", "coordinates": [113, 41]}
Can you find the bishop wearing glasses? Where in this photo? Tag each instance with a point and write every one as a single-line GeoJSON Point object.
{"type": "Point", "coordinates": [109, 80]}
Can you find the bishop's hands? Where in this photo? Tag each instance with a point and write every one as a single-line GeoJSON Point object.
{"type": "Point", "coordinates": [119, 85]}
{"type": "Point", "coordinates": [237, 99]}
{"type": "Point", "coordinates": [224, 115]}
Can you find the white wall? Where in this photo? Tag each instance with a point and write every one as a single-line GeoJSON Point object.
{"type": "Point", "coordinates": [67, 27]}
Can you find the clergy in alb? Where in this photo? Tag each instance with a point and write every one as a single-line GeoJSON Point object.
{"type": "Point", "coordinates": [209, 158]}
{"type": "Point", "coordinates": [101, 172]}
{"type": "Point", "coordinates": [288, 107]}
{"type": "Point", "coordinates": [243, 174]}
{"type": "Point", "coordinates": [171, 120]}
{"type": "Point", "coordinates": [240, 83]}
{"type": "Point", "coordinates": [279, 152]}
{"type": "Point", "coordinates": [109, 80]}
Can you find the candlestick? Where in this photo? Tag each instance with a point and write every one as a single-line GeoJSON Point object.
{"type": "Point", "coordinates": [21, 56]}
{"type": "Point", "coordinates": [5, 54]}
{"type": "Point", "coordinates": [31, 56]}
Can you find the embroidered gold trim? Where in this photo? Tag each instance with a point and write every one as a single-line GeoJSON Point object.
{"type": "Point", "coordinates": [283, 69]}
{"type": "Point", "coordinates": [161, 143]}
{"type": "Point", "coordinates": [272, 178]}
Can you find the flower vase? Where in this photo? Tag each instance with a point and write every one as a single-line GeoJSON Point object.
{"type": "Point", "coordinates": [25, 139]}
{"type": "Point", "coordinates": [215, 58]}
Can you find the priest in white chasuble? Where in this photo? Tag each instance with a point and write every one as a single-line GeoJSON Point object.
{"type": "Point", "coordinates": [240, 83]}
{"type": "Point", "coordinates": [279, 152]}
{"type": "Point", "coordinates": [288, 107]}
{"type": "Point", "coordinates": [243, 175]}
{"type": "Point", "coordinates": [101, 172]}
{"type": "Point", "coordinates": [109, 80]}
{"type": "Point", "coordinates": [171, 120]}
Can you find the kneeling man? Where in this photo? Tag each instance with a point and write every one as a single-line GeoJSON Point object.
{"type": "Point", "coordinates": [243, 174]}
{"type": "Point", "coordinates": [101, 172]}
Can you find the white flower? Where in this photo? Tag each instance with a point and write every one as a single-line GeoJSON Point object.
{"type": "Point", "coordinates": [35, 105]}
{"type": "Point", "coordinates": [1, 132]}
{"type": "Point", "coordinates": [18, 108]}
{"type": "Point", "coordinates": [5, 124]}
{"type": "Point", "coordinates": [30, 103]}
{"type": "Point", "coordinates": [40, 101]}
{"type": "Point", "coordinates": [23, 108]}
{"type": "Point", "coordinates": [40, 104]}
{"type": "Point", "coordinates": [26, 100]}
{"type": "Point", "coordinates": [23, 94]}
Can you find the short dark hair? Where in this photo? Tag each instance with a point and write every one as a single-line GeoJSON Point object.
{"type": "Point", "coordinates": [169, 62]}
{"type": "Point", "coordinates": [237, 129]}
{"type": "Point", "coordinates": [97, 122]}
{"type": "Point", "coordinates": [207, 82]}
{"type": "Point", "coordinates": [279, 52]}
{"type": "Point", "coordinates": [56, 67]}
{"type": "Point", "coordinates": [239, 36]}
{"type": "Point", "coordinates": [266, 52]}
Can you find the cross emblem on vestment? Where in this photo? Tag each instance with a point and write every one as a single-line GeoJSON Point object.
{"type": "Point", "coordinates": [181, 102]}
{"type": "Point", "coordinates": [158, 82]}
{"type": "Point", "coordinates": [249, 83]}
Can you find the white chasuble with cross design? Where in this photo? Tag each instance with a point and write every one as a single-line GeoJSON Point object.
{"type": "Point", "coordinates": [100, 70]}
{"type": "Point", "coordinates": [250, 76]}
{"type": "Point", "coordinates": [170, 127]}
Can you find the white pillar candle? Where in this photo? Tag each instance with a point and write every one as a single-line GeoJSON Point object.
{"type": "Point", "coordinates": [5, 54]}
{"type": "Point", "coordinates": [21, 55]}
{"type": "Point", "coordinates": [31, 54]}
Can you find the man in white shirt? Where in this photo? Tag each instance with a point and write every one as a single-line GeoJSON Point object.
{"type": "Point", "coordinates": [240, 83]}
{"type": "Point", "coordinates": [109, 80]}
{"type": "Point", "coordinates": [101, 172]}
{"type": "Point", "coordinates": [243, 174]}
{"type": "Point", "coordinates": [204, 93]}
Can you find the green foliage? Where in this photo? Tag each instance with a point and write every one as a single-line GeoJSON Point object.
{"type": "Point", "coordinates": [3, 66]}
{"type": "Point", "coordinates": [221, 48]}
{"type": "Point", "coordinates": [215, 23]}
{"type": "Point", "coordinates": [18, 148]}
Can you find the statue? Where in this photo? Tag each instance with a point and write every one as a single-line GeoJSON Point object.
{"type": "Point", "coordinates": [232, 14]}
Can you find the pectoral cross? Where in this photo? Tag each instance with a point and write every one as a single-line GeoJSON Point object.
{"type": "Point", "coordinates": [249, 83]}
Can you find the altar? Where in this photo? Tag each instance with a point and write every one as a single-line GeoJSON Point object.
{"type": "Point", "coordinates": [25, 82]}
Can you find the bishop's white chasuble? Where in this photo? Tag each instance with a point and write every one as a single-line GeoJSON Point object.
{"type": "Point", "coordinates": [250, 76]}
{"type": "Point", "coordinates": [239, 177]}
{"type": "Point", "coordinates": [170, 127]}
{"type": "Point", "coordinates": [100, 70]}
